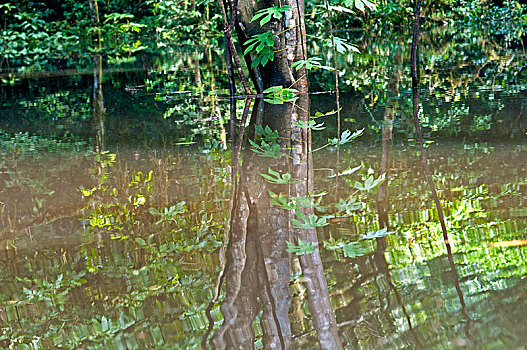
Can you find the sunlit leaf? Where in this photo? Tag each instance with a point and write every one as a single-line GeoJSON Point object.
{"type": "Point", "coordinates": [346, 137]}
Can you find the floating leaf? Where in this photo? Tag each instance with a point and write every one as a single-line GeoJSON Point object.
{"type": "Point", "coordinates": [311, 63]}
{"type": "Point", "coordinates": [354, 249]}
{"type": "Point", "coordinates": [281, 201]}
{"type": "Point", "coordinates": [348, 206]}
{"type": "Point", "coordinates": [279, 95]}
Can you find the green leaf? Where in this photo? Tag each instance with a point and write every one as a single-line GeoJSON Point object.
{"type": "Point", "coordinates": [310, 125]}
{"type": "Point", "coordinates": [268, 13]}
{"type": "Point", "coordinates": [346, 137]}
{"type": "Point", "coordinates": [369, 183]}
{"type": "Point", "coordinates": [311, 63]}
{"type": "Point", "coordinates": [281, 201]}
{"type": "Point", "coordinates": [348, 171]}
{"type": "Point", "coordinates": [276, 178]}
{"type": "Point", "coordinates": [362, 4]}
{"type": "Point", "coordinates": [348, 206]}
{"type": "Point", "coordinates": [270, 150]}
{"type": "Point", "coordinates": [354, 249]}
{"type": "Point", "coordinates": [141, 242]}
{"type": "Point", "coordinates": [320, 114]}
{"type": "Point", "coordinates": [261, 46]}
{"type": "Point", "coordinates": [279, 95]}
{"type": "Point", "coordinates": [376, 234]}
{"type": "Point", "coordinates": [309, 222]}
{"type": "Point", "coordinates": [340, 9]}
{"type": "Point", "coordinates": [341, 45]}
{"type": "Point", "coordinates": [302, 247]}
{"type": "Point", "coordinates": [267, 134]}
{"type": "Point", "coordinates": [104, 324]}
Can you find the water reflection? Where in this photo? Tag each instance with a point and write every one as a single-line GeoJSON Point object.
{"type": "Point", "coordinates": [126, 245]}
{"type": "Point", "coordinates": [258, 267]}
{"type": "Point", "coordinates": [98, 104]}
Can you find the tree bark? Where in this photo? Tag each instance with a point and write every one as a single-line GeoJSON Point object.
{"type": "Point", "coordinates": [289, 47]}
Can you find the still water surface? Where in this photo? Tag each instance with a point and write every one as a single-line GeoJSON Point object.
{"type": "Point", "coordinates": [123, 229]}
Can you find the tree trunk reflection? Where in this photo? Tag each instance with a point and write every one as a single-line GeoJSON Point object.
{"type": "Point", "coordinates": [98, 104]}
{"type": "Point", "coordinates": [258, 267]}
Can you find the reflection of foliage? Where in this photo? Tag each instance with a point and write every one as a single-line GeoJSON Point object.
{"type": "Point", "coordinates": [307, 222]}
{"type": "Point", "coordinates": [110, 298]}
{"type": "Point", "coordinates": [277, 178]}
{"type": "Point", "coordinates": [169, 214]}
{"type": "Point", "coordinates": [302, 247]}
{"type": "Point", "coordinates": [271, 150]}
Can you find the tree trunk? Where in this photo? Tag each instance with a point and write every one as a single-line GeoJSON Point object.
{"type": "Point", "coordinates": [288, 47]}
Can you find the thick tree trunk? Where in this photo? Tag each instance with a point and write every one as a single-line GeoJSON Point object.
{"type": "Point", "coordinates": [288, 47]}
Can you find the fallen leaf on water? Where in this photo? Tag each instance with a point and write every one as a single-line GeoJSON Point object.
{"type": "Point", "coordinates": [513, 243]}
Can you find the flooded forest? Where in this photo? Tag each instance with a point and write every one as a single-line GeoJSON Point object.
{"type": "Point", "coordinates": [273, 174]}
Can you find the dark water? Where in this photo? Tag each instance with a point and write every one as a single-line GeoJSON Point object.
{"type": "Point", "coordinates": [117, 200]}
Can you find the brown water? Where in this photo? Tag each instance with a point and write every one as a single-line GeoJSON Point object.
{"type": "Point", "coordinates": [132, 217]}
{"type": "Point", "coordinates": [90, 260]}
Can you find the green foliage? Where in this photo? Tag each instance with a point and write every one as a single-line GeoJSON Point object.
{"type": "Point", "coordinates": [341, 45]}
{"type": "Point", "coordinates": [279, 95]}
{"type": "Point", "coordinates": [269, 135]}
{"type": "Point", "coordinates": [52, 291]}
{"type": "Point", "coordinates": [268, 13]}
{"type": "Point", "coordinates": [281, 201]}
{"type": "Point", "coordinates": [376, 234]}
{"type": "Point", "coordinates": [346, 137]}
{"type": "Point", "coordinates": [369, 183]}
{"type": "Point", "coordinates": [349, 250]}
{"type": "Point", "coordinates": [171, 213]}
{"type": "Point", "coordinates": [302, 248]}
{"type": "Point", "coordinates": [348, 206]}
{"type": "Point", "coordinates": [348, 171]}
{"type": "Point", "coordinates": [310, 125]}
{"type": "Point", "coordinates": [289, 203]}
{"type": "Point", "coordinates": [264, 149]}
{"type": "Point", "coordinates": [261, 46]}
{"type": "Point", "coordinates": [361, 4]}
{"type": "Point", "coordinates": [308, 222]}
{"type": "Point", "coordinates": [311, 63]}
{"type": "Point", "coordinates": [275, 177]}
